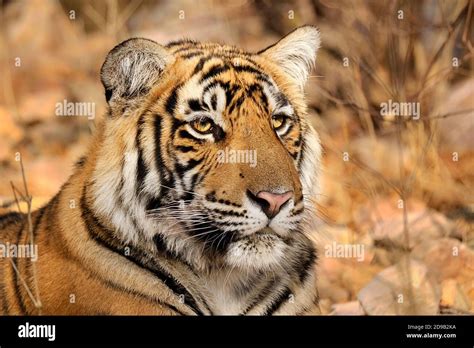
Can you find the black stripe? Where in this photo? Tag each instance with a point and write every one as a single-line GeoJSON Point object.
{"type": "Point", "coordinates": [189, 51]}
{"type": "Point", "coordinates": [209, 233]}
{"type": "Point", "coordinates": [297, 211]}
{"type": "Point", "coordinates": [161, 246]}
{"type": "Point", "coordinates": [166, 278]}
{"type": "Point", "coordinates": [229, 212]}
{"type": "Point", "coordinates": [40, 218]}
{"type": "Point", "coordinates": [165, 176]}
{"type": "Point", "coordinates": [91, 221]}
{"type": "Point", "coordinates": [120, 200]}
{"type": "Point", "coordinates": [172, 100]}
{"type": "Point", "coordinates": [10, 218]}
{"type": "Point", "coordinates": [230, 90]}
{"type": "Point", "coordinates": [305, 267]}
{"type": "Point", "coordinates": [304, 310]}
{"type": "Point", "coordinates": [181, 42]}
{"type": "Point", "coordinates": [266, 79]}
{"type": "Point", "coordinates": [223, 241]}
{"type": "Point", "coordinates": [194, 179]}
{"type": "Point", "coordinates": [200, 65]}
{"type": "Point", "coordinates": [192, 163]}
{"type": "Point", "coordinates": [80, 162]}
{"type": "Point", "coordinates": [214, 102]}
{"type": "Point", "coordinates": [185, 149]}
{"type": "Point", "coordinates": [263, 98]}
{"type": "Point", "coordinates": [237, 103]}
{"type": "Point", "coordinates": [303, 151]}
{"type": "Point", "coordinates": [186, 135]}
{"type": "Point", "coordinates": [175, 124]}
{"type": "Point", "coordinates": [141, 167]}
{"type": "Point", "coordinates": [119, 288]}
{"type": "Point", "coordinates": [248, 68]}
{"type": "Point", "coordinates": [264, 293]}
{"type": "Point", "coordinates": [277, 303]}
{"type": "Point", "coordinates": [192, 55]}
{"type": "Point", "coordinates": [281, 100]}
{"type": "Point", "coordinates": [195, 105]}
{"type": "Point", "coordinates": [259, 74]}
{"type": "Point", "coordinates": [297, 142]}
{"type": "Point", "coordinates": [187, 48]}
{"type": "Point", "coordinates": [214, 71]}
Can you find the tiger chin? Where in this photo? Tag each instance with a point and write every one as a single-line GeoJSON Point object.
{"type": "Point", "coordinates": [163, 224]}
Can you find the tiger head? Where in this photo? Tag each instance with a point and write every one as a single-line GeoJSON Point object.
{"type": "Point", "coordinates": [205, 152]}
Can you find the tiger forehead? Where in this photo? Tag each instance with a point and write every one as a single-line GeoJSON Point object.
{"type": "Point", "coordinates": [189, 49]}
{"type": "Point", "coordinates": [218, 77]}
{"type": "Point", "coordinates": [223, 58]}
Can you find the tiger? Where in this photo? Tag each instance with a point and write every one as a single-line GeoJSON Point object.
{"type": "Point", "coordinates": [154, 220]}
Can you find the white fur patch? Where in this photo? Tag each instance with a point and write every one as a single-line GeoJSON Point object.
{"type": "Point", "coordinates": [256, 252]}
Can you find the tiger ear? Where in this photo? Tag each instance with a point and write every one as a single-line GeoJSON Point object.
{"type": "Point", "coordinates": [296, 53]}
{"type": "Point", "coordinates": [132, 68]}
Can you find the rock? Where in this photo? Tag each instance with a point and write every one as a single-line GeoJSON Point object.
{"type": "Point", "coordinates": [348, 308]}
{"type": "Point", "coordinates": [452, 296]}
{"type": "Point", "coordinates": [470, 295]}
{"type": "Point", "coordinates": [354, 277]}
{"type": "Point", "coordinates": [332, 291]}
{"type": "Point", "coordinates": [456, 132]}
{"type": "Point", "coordinates": [422, 226]}
{"type": "Point", "coordinates": [325, 305]}
{"type": "Point", "coordinates": [404, 288]}
{"type": "Point", "coordinates": [383, 257]}
{"type": "Point", "coordinates": [338, 294]}
{"type": "Point", "coordinates": [384, 209]}
{"type": "Point", "coordinates": [339, 242]}
{"type": "Point", "coordinates": [445, 258]}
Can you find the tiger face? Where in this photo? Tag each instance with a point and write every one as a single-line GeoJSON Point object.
{"type": "Point", "coordinates": [217, 159]}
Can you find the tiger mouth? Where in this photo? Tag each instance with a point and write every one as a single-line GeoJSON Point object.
{"type": "Point", "coordinates": [265, 233]}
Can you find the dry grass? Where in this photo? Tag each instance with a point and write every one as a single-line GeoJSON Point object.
{"type": "Point", "coordinates": [24, 196]}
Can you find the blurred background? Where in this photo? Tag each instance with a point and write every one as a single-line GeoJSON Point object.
{"type": "Point", "coordinates": [397, 198]}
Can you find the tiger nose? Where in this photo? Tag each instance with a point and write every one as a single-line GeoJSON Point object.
{"type": "Point", "coordinates": [271, 203]}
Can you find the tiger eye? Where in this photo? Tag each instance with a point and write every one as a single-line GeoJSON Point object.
{"type": "Point", "coordinates": [277, 121]}
{"type": "Point", "coordinates": [202, 125]}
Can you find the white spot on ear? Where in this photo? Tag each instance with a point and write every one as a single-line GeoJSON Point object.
{"type": "Point", "coordinates": [296, 53]}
